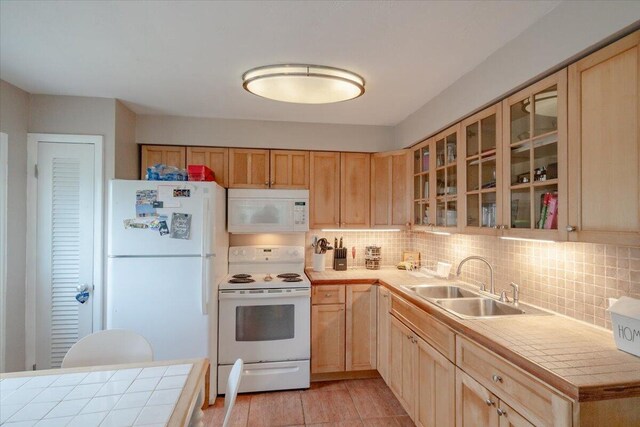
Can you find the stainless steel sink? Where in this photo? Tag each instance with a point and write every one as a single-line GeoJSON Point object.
{"type": "Point", "coordinates": [474, 308]}
{"type": "Point", "coordinates": [433, 292]}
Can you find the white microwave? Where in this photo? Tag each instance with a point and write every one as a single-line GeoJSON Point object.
{"type": "Point", "coordinates": [268, 211]}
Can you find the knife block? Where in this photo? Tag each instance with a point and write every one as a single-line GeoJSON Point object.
{"type": "Point", "coordinates": [340, 259]}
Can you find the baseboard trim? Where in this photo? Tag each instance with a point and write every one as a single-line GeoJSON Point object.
{"type": "Point", "coordinates": [350, 375]}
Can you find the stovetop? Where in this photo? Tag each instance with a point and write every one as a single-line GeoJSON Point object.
{"type": "Point", "coordinates": [265, 281]}
{"type": "Point", "coordinates": [266, 267]}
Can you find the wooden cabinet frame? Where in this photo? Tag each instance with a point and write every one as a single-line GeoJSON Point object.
{"type": "Point", "coordinates": [215, 158]}
{"type": "Point", "coordinates": [324, 191]}
{"type": "Point", "coordinates": [609, 75]}
{"type": "Point", "coordinates": [390, 189]}
{"type": "Point", "coordinates": [170, 155]}
{"type": "Point", "coordinates": [558, 79]}
{"type": "Point", "coordinates": [462, 176]}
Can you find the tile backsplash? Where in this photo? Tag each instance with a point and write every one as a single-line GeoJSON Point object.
{"type": "Point", "coordinates": [575, 279]}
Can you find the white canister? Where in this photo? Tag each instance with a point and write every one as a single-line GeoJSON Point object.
{"type": "Point", "coordinates": [318, 262]}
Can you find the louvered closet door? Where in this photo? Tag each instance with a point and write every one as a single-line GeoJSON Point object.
{"type": "Point", "coordinates": [64, 248]}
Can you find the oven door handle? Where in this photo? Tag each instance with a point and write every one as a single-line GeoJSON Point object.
{"type": "Point", "coordinates": [265, 295]}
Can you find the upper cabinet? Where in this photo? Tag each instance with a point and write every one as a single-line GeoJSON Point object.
{"type": "Point", "coordinates": [165, 154]}
{"type": "Point", "coordinates": [534, 160]}
{"type": "Point", "coordinates": [435, 180]}
{"type": "Point", "coordinates": [216, 159]}
{"type": "Point", "coordinates": [354, 190]}
{"type": "Point", "coordinates": [604, 162]}
{"type": "Point", "coordinates": [256, 168]}
{"type": "Point", "coordinates": [339, 190]}
{"type": "Point", "coordinates": [248, 168]}
{"type": "Point", "coordinates": [390, 193]}
{"type": "Point", "coordinates": [481, 173]}
{"type": "Point", "coordinates": [289, 169]}
{"type": "Point", "coordinates": [324, 192]}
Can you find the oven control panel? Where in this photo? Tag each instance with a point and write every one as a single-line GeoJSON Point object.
{"type": "Point", "coordinates": [240, 254]}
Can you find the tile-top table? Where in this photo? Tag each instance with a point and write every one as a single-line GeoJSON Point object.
{"type": "Point", "coordinates": [164, 393]}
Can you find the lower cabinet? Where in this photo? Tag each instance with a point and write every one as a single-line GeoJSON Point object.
{"type": "Point", "coordinates": [384, 325]}
{"type": "Point", "coordinates": [343, 328]}
{"type": "Point", "coordinates": [422, 379]}
{"type": "Point", "coordinates": [477, 406]}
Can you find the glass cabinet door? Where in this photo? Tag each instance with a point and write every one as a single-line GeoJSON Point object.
{"type": "Point", "coordinates": [446, 175]}
{"type": "Point", "coordinates": [422, 185]}
{"type": "Point", "coordinates": [481, 135]}
{"type": "Point", "coordinates": [536, 120]}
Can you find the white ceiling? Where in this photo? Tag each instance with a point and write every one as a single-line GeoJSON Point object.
{"type": "Point", "coordinates": [187, 58]}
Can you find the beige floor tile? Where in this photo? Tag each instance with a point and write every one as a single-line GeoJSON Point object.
{"type": "Point", "coordinates": [373, 401]}
{"type": "Point", "coordinates": [276, 409]}
{"type": "Point", "coordinates": [328, 406]}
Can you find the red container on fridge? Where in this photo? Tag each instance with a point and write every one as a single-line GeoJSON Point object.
{"type": "Point", "coordinates": [200, 173]}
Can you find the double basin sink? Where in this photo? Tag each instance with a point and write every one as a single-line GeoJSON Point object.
{"type": "Point", "coordinates": [468, 304]}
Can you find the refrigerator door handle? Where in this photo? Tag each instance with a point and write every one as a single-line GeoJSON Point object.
{"type": "Point", "coordinates": [204, 292]}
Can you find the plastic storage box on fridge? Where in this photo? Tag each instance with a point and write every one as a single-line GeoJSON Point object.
{"type": "Point", "coordinates": [625, 318]}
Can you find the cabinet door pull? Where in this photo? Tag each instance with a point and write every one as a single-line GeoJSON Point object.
{"type": "Point", "coordinates": [501, 412]}
{"type": "Point", "coordinates": [327, 295]}
{"type": "Point", "coordinates": [496, 378]}
{"type": "Point", "coordinates": [571, 228]}
{"type": "Point", "coordinates": [489, 402]}
{"type": "Point", "coordinates": [266, 183]}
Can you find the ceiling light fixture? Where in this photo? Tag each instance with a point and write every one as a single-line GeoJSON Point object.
{"type": "Point", "coordinates": [303, 84]}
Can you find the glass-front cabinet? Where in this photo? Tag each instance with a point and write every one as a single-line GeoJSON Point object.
{"type": "Point", "coordinates": [422, 166]}
{"type": "Point", "coordinates": [481, 178]}
{"type": "Point", "coordinates": [534, 159]}
{"type": "Point", "coordinates": [435, 181]}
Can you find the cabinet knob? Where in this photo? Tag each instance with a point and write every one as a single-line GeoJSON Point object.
{"type": "Point", "coordinates": [327, 295]}
{"type": "Point", "coordinates": [496, 378]}
{"type": "Point", "coordinates": [501, 412]}
{"type": "Point", "coordinates": [489, 402]}
{"type": "Point", "coordinates": [504, 227]}
{"type": "Point", "coordinates": [273, 182]}
{"type": "Point", "coordinates": [266, 183]}
{"type": "Point", "coordinates": [571, 228]}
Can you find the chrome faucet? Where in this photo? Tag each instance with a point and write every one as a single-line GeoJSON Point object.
{"type": "Point", "coordinates": [479, 258]}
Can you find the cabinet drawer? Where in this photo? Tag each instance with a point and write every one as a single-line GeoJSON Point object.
{"type": "Point", "coordinates": [527, 395]}
{"type": "Point", "coordinates": [431, 330]}
{"type": "Point", "coordinates": [328, 294]}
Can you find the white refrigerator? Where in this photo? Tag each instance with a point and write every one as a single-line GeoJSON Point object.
{"type": "Point", "coordinates": [167, 252]}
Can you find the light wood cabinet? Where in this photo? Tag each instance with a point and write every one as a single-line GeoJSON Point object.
{"type": "Point", "coordinates": [361, 327]}
{"type": "Point", "coordinates": [402, 365]}
{"type": "Point", "coordinates": [216, 159]}
{"type": "Point", "coordinates": [604, 145]}
{"type": "Point", "coordinates": [477, 406]}
{"type": "Point", "coordinates": [165, 154]}
{"type": "Point", "coordinates": [248, 168]}
{"type": "Point", "coordinates": [390, 193]}
{"type": "Point", "coordinates": [343, 328]}
{"type": "Point", "coordinates": [324, 192]}
{"type": "Point", "coordinates": [355, 181]}
{"type": "Point", "coordinates": [255, 168]}
{"type": "Point", "coordinates": [384, 324]}
{"type": "Point", "coordinates": [435, 175]}
{"type": "Point", "coordinates": [534, 149]}
{"type": "Point", "coordinates": [435, 388]}
{"type": "Point", "coordinates": [289, 169]}
{"type": "Point", "coordinates": [481, 172]}
{"type": "Point", "coordinates": [327, 338]}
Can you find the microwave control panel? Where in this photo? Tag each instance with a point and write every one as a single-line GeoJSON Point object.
{"type": "Point", "coordinates": [301, 216]}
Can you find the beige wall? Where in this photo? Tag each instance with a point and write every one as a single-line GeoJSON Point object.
{"type": "Point", "coordinates": [14, 114]}
{"type": "Point", "coordinates": [126, 149]}
{"type": "Point", "coordinates": [565, 32]}
{"type": "Point", "coordinates": [151, 129]}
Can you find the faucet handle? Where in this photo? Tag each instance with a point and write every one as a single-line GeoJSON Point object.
{"type": "Point", "coordinates": [516, 291]}
{"type": "Point", "coordinates": [482, 286]}
{"type": "Point", "coordinates": [504, 297]}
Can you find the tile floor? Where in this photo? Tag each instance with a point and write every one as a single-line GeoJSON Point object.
{"type": "Point", "coordinates": [348, 403]}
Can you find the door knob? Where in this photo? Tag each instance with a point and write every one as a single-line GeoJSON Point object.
{"type": "Point", "coordinates": [82, 287]}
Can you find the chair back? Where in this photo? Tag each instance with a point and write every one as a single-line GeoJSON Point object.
{"type": "Point", "coordinates": [233, 384]}
{"type": "Point", "coordinates": [110, 347]}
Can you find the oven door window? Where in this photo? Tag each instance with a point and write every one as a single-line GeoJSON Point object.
{"type": "Point", "coordinates": [265, 322]}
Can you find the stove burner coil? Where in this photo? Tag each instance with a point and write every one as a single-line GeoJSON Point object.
{"type": "Point", "coordinates": [292, 279]}
{"type": "Point", "coordinates": [241, 280]}
{"type": "Point", "coordinates": [289, 276]}
{"type": "Point", "coordinates": [241, 276]}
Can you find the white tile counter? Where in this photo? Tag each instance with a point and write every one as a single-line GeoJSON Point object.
{"type": "Point", "coordinates": [153, 394]}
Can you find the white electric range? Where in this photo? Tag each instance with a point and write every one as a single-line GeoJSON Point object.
{"type": "Point", "coordinates": [264, 318]}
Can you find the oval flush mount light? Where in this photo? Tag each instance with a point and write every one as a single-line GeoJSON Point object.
{"type": "Point", "coordinates": [303, 84]}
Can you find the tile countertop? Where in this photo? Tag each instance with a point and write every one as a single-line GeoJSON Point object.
{"type": "Point", "coordinates": [577, 359]}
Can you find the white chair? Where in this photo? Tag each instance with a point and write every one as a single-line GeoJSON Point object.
{"type": "Point", "coordinates": [233, 384]}
{"type": "Point", "coordinates": [108, 347]}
